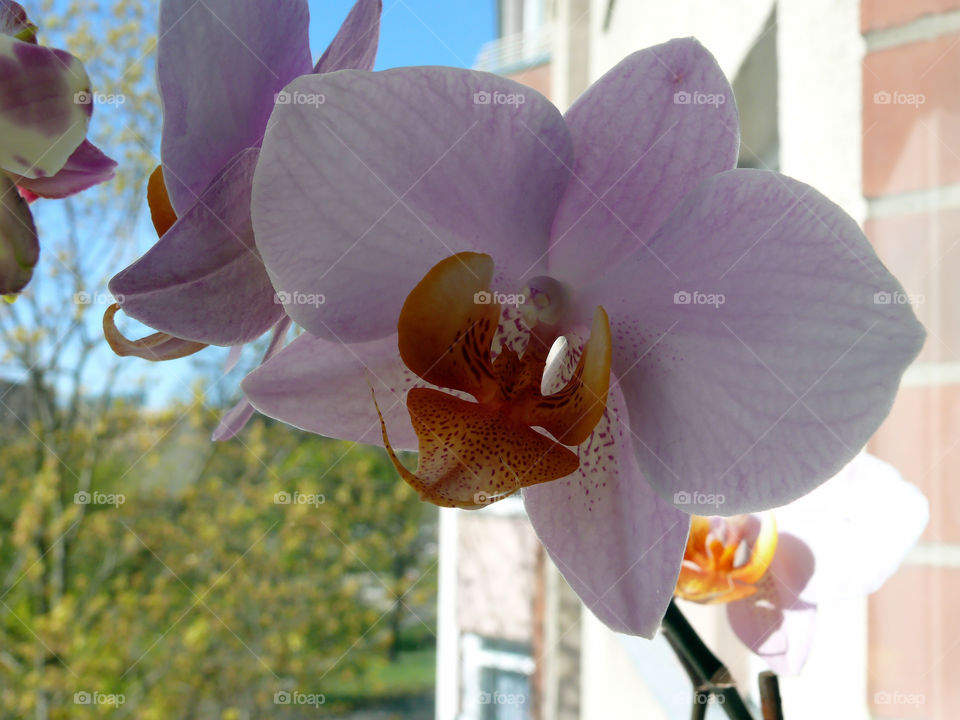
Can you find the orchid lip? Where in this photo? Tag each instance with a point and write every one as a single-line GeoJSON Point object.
{"type": "Point", "coordinates": [472, 453]}
{"type": "Point", "coordinates": [721, 564]}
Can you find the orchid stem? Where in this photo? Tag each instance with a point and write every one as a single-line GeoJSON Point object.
{"type": "Point", "coordinates": [770, 696]}
{"type": "Point", "coordinates": [708, 675]}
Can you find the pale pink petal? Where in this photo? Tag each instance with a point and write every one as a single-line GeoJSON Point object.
{"type": "Point", "coordinates": [618, 545]}
{"type": "Point", "coordinates": [859, 525]}
{"type": "Point", "coordinates": [644, 135]}
{"type": "Point", "coordinates": [203, 280]}
{"type": "Point", "coordinates": [774, 622]}
{"type": "Point", "coordinates": [325, 387]}
{"type": "Point", "coordinates": [219, 65]}
{"type": "Point", "coordinates": [86, 167]}
{"type": "Point", "coordinates": [756, 343]}
{"type": "Point", "coordinates": [367, 180]}
{"type": "Point", "coordinates": [355, 45]}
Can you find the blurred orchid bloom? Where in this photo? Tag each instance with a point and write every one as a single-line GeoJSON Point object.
{"type": "Point", "coordinates": [221, 67]}
{"type": "Point", "coordinates": [842, 540]}
{"type": "Point", "coordinates": [684, 331]}
{"type": "Point", "coordinates": [45, 109]}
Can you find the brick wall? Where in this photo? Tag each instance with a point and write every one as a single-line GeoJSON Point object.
{"type": "Point", "coordinates": [911, 179]}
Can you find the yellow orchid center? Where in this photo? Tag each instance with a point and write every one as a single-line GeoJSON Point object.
{"type": "Point", "coordinates": [473, 453]}
{"type": "Point", "coordinates": [726, 557]}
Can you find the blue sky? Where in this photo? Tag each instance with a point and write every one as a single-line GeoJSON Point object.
{"type": "Point", "coordinates": [415, 32]}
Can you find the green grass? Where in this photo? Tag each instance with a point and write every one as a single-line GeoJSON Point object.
{"type": "Point", "coordinates": [413, 673]}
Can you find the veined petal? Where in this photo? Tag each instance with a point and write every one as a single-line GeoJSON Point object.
{"type": "Point", "coordinates": [207, 260]}
{"type": "Point", "coordinates": [323, 386]}
{"type": "Point", "coordinates": [19, 249]}
{"type": "Point", "coordinates": [859, 525]}
{"type": "Point", "coordinates": [471, 455]}
{"type": "Point", "coordinates": [219, 65]}
{"type": "Point", "coordinates": [44, 107]}
{"type": "Point", "coordinates": [774, 622]}
{"type": "Point", "coordinates": [395, 171]}
{"type": "Point", "coordinates": [753, 343]}
{"type": "Point", "coordinates": [355, 45]}
{"type": "Point", "coordinates": [616, 543]}
{"type": "Point", "coordinates": [645, 134]}
{"type": "Point", "coordinates": [86, 167]}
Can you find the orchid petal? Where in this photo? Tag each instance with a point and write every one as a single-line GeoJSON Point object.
{"type": "Point", "coordinates": [774, 622]}
{"type": "Point", "coordinates": [634, 164]}
{"type": "Point", "coordinates": [395, 171]}
{"type": "Point", "coordinates": [86, 167]}
{"type": "Point", "coordinates": [750, 344]}
{"type": "Point", "coordinates": [44, 107]}
{"type": "Point", "coordinates": [355, 45]}
{"type": "Point", "coordinates": [618, 545]}
{"type": "Point", "coordinates": [859, 525]}
{"type": "Point", "coordinates": [19, 249]}
{"type": "Point", "coordinates": [324, 387]}
{"type": "Point", "coordinates": [207, 260]}
{"type": "Point", "coordinates": [220, 64]}
{"type": "Point", "coordinates": [235, 419]}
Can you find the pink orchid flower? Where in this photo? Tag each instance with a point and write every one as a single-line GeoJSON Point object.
{"type": "Point", "coordinates": [45, 109]}
{"type": "Point", "coordinates": [221, 67]}
{"type": "Point", "coordinates": [842, 540]}
{"type": "Point", "coordinates": [595, 307]}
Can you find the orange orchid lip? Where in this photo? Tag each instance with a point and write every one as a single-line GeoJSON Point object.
{"type": "Point", "coordinates": [714, 568]}
{"type": "Point", "coordinates": [473, 453]}
{"type": "Point", "coordinates": [155, 347]}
